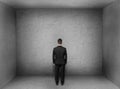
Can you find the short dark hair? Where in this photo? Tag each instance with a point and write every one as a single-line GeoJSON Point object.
{"type": "Point", "coordinates": [59, 41]}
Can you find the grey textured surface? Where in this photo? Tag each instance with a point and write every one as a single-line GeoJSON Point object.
{"type": "Point", "coordinates": [72, 82]}
{"type": "Point", "coordinates": [57, 3]}
{"type": "Point", "coordinates": [39, 29]}
{"type": "Point", "coordinates": [7, 44]}
{"type": "Point", "coordinates": [111, 42]}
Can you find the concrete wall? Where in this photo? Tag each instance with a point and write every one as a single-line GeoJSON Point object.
{"type": "Point", "coordinates": [111, 42]}
{"type": "Point", "coordinates": [39, 29]}
{"type": "Point", "coordinates": [7, 44]}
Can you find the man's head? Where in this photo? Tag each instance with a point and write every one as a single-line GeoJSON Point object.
{"type": "Point", "coordinates": [59, 41]}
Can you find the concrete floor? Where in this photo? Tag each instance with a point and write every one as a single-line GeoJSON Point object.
{"type": "Point", "coordinates": [47, 82]}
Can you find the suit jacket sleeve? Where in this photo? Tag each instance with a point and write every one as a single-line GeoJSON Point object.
{"type": "Point", "coordinates": [53, 56]}
{"type": "Point", "coordinates": [65, 56]}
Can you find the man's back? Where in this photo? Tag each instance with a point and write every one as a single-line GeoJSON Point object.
{"type": "Point", "coordinates": [59, 55]}
{"type": "Point", "coordinates": [59, 59]}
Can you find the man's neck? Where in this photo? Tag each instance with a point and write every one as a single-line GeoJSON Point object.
{"type": "Point", "coordinates": [59, 44]}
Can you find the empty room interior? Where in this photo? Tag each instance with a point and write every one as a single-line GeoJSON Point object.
{"type": "Point", "coordinates": [29, 30]}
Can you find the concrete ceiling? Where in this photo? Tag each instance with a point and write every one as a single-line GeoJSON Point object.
{"type": "Point", "coordinates": [57, 3]}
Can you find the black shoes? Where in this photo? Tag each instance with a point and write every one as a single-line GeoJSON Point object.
{"type": "Point", "coordinates": [62, 83]}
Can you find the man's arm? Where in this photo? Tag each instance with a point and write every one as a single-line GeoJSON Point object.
{"type": "Point", "coordinates": [65, 56]}
{"type": "Point", "coordinates": [53, 56]}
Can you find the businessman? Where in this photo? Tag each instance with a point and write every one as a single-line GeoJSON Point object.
{"type": "Point", "coordinates": [60, 60]}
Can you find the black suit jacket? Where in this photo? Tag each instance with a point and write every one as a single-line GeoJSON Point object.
{"type": "Point", "coordinates": [59, 55]}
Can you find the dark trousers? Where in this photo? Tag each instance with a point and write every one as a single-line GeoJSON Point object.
{"type": "Point", "coordinates": [59, 73]}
